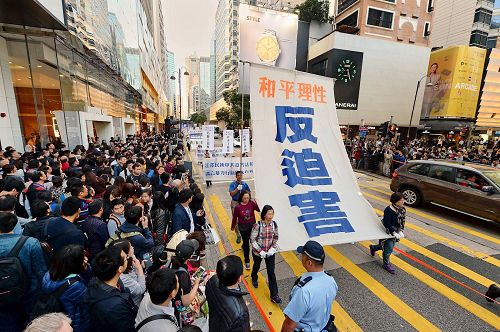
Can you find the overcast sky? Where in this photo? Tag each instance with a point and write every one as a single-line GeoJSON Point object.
{"type": "Point", "coordinates": [189, 26]}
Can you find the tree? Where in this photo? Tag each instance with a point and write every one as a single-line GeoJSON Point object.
{"type": "Point", "coordinates": [199, 118]}
{"type": "Point", "coordinates": [231, 115]}
{"type": "Point", "coordinates": [314, 10]}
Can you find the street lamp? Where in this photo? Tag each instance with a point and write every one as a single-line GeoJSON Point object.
{"type": "Point", "coordinates": [180, 94]}
{"type": "Point", "coordinates": [413, 108]}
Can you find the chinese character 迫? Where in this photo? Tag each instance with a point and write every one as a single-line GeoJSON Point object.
{"type": "Point", "coordinates": [301, 126]}
{"type": "Point", "coordinates": [320, 213]}
{"type": "Point", "coordinates": [310, 166]}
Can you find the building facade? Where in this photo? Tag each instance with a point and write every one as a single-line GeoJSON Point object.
{"type": "Point", "coordinates": [402, 21]}
{"type": "Point", "coordinates": [172, 87]}
{"type": "Point", "coordinates": [461, 22]}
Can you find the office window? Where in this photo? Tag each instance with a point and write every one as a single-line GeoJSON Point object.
{"type": "Point", "coordinates": [319, 68]}
{"type": "Point", "coordinates": [495, 22]}
{"type": "Point", "coordinates": [427, 29]}
{"type": "Point", "coordinates": [492, 42]}
{"type": "Point", "coordinates": [430, 6]}
{"type": "Point", "coordinates": [478, 38]}
{"type": "Point", "coordinates": [379, 18]}
{"type": "Point", "coordinates": [483, 16]}
{"type": "Point", "coordinates": [344, 4]}
{"type": "Point", "coordinates": [351, 20]}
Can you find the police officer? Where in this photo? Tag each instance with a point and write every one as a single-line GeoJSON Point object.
{"type": "Point", "coordinates": [312, 295]}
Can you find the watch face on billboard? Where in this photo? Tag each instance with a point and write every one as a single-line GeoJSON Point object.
{"type": "Point", "coordinates": [346, 67]}
{"type": "Point", "coordinates": [267, 37]}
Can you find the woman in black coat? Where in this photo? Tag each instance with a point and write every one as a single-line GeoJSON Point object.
{"type": "Point", "coordinates": [160, 218]}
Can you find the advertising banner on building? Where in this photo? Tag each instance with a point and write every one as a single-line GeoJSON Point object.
{"type": "Point", "coordinates": [208, 142]}
{"type": "Point", "coordinates": [228, 141]}
{"type": "Point", "coordinates": [245, 141]}
{"type": "Point", "coordinates": [268, 37]}
{"type": "Point", "coordinates": [224, 169]}
{"type": "Point", "coordinates": [347, 67]}
{"type": "Point", "coordinates": [301, 166]}
{"type": "Point", "coordinates": [453, 83]}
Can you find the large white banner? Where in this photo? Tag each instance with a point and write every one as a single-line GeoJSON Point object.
{"type": "Point", "coordinates": [301, 166]}
{"type": "Point", "coordinates": [195, 137]}
{"type": "Point", "coordinates": [215, 153]}
{"type": "Point", "coordinates": [228, 141]}
{"type": "Point", "coordinates": [245, 141]}
{"type": "Point", "coordinates": [222, 169]}
{"type": "Point", "coordinates": [208, 137]}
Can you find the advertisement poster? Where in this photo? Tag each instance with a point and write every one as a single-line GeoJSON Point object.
{"type": "Point", "coordinates": [453, 83]}
{"type": "Point", "coordinates": [268, 37]}
{"type": "Point", "coordinates": [224, 169]}
{"type": "Point", "coordinates": [208, 142]}
{"type": "Point", "coordinates": [228, 141]}
{"type": "Point", "coordinates": [301, 166]}
{"type": "Point", "coordinates": [347, 67]}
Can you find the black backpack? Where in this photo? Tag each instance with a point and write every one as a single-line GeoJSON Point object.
{"type": "Point", "coordinates": [14, 282]}
{"type": "Point", "coordinates": [48, 303]}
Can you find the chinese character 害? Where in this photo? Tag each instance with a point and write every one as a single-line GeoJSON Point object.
{"type": "Point", "coordinates": [307, 169]}
{"type": "Point", "coordinates": [301, 126]}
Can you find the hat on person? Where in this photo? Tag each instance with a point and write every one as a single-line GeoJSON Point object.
{"type": "Point", "coordinates": [313, 250]}
{"type": "Point", "coordinates": [186, 249]}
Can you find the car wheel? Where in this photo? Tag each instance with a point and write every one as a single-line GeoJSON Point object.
{"type": "Point", "coordinates": [412, 197]}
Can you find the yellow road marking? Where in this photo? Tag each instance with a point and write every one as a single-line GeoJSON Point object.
{"type": "Point", "coordinates": [273, 311]}
{"type": "Point", "coordinates": [444, 261]}
{"type": "Point", "coordinates": [343, 321]}
{"type": "Point", "coordinates": [436, 219]}
{"type": "Point", "coordinates": [462, 247]}
{"type": "Point", "coordinates": [444, 290]}
{"type": "Point", "coordinates": [208, 212]}
{"type": "Point", "coordinates": [392, 301]}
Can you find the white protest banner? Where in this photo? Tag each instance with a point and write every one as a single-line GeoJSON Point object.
{"type": "Point", "coordinates": [301, 166]}
{"type": "Point", "coordinates": [221, 169]}
{"type": "Point", "coordinates": [215, 153]}
{"type": "Point", "coordinates": [195, 137]}
{"type": "Point", "coordinates": [208, 137]}
{"type": "Point", "coordinates": [228, 141]}
{"type": "Point", "coordinates": [245, 141]}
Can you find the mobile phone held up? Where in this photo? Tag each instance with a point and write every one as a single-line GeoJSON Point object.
{"type": "Point", "coordinates": [148, 261]}
{"type": "Point", "coordinates": [200, 273]}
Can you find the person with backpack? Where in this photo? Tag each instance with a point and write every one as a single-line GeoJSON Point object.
{"type": "Point", "coordinates": [160, 218]}
{"type": "Point", "coordinates": [135, 229]}
{"type": "Point", "coordinates": [22, 267]}
{"type": "Point", "coordinates": [62, 231]}
{"type": "Point", "coordinates": [95, 228]}
{"type": "Point", "coordinates": [64, 287]}
{"type": "Point", "coordinates": [38, 179]}
{"type": "Point", "coordinates": [156, 312]}
{"type": "Point", "coordinates": [117, 216]}
{"type": "Point", "coordinates": [82, 192]}
{"type": "Point", "coordinates": [264, 240]}
{"type": "Point", "coordinates": [111, 307]}
{"type": "Point", "coordinates": [15, 187]}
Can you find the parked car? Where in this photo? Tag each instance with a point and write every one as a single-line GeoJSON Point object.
{"type": "Point", "coordinates": [465, 187]}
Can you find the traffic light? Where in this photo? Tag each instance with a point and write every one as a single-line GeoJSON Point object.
{"type": "Point", "coordinates": [382, 130]}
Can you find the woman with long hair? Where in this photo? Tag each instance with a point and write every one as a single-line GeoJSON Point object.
{"type": "Point", "coordinates": [67, 266]}
{"type": "Point", "coordinates": [133, 278]}
{"type": "Point", "coordinates": [159, 218]}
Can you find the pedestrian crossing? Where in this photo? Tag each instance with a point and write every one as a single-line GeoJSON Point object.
{"type": "Point", "coordinates": [345, 321]}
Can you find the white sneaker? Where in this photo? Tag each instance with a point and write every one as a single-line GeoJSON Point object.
{"type": "Point", "coordinates": [401, 234]}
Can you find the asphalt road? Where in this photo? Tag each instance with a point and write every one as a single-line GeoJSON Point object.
{"type": "Point", "coordinates": [452, 259]}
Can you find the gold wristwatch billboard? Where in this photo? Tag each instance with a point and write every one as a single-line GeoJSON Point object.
{"type": "Point", "coordinates": [268, 48]}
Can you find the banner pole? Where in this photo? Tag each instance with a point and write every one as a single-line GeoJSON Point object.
{"type": "Point", "coordinates": [242, 101]}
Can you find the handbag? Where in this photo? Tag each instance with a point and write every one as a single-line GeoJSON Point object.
{"type": "Point", "coordinates": [210, 234]}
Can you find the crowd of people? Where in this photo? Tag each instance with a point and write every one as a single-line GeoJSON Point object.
{"type": "Point", "coordinates": [113, 237]}
{"type": "Point", "coordinates": [383, 156]}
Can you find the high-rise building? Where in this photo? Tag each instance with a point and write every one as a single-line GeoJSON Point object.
{"type": "Point", "coordinates": [400, 21]}
{"type": "Point", "coordinates": [172, 87]}
{"type": "Point", "coordinates": [205, 84]}
{"type": "Point", "coordinates": [461, 22]}
{"type": "Point", "coordinates": [212, 71]}
{"type": "Point", "coordinates": [226, 46]}
{"type": "Point", "coordinates": [198, 83]}
{"type": "Point", "coordinates": [494, 32]}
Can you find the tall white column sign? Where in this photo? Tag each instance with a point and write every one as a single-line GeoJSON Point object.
{"type": "Point", "coordinates": [228, 141]}
{"type": "Point", "coordinates": [245, 141]}
{"type": "Point", "coordinates": [208, 142]}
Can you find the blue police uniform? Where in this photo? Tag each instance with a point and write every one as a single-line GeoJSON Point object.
{"type": "Point", "coordinates": [311, 301]}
